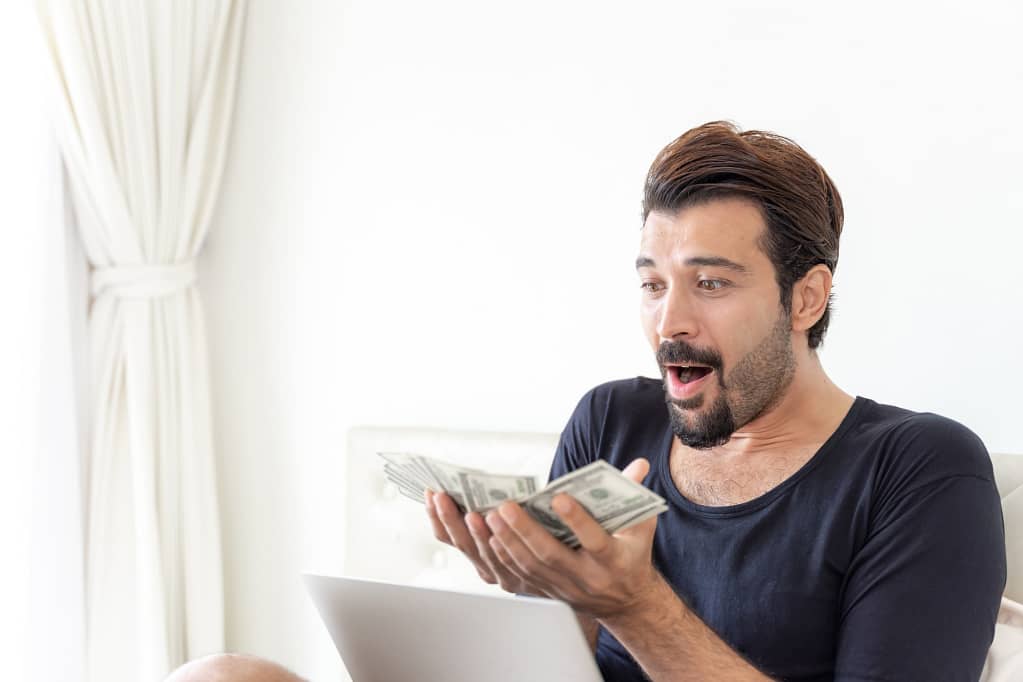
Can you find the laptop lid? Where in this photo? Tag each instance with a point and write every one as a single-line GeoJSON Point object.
{"type": "Point", "coordinates": [390, 633]}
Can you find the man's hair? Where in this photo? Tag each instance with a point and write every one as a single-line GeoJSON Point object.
{"type": "Point", "coordinates": [799, 202]}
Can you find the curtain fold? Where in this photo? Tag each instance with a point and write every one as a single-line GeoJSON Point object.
{"type": "Point", "coordinates": [56, 636]}
{"type": "Point", "coordinates": [144, 100]}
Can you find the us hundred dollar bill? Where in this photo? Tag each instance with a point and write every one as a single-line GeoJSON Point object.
{"type": "Point", "coordinates": [609, 497]}
{"type": "Point", "coordinates": [613, 500]}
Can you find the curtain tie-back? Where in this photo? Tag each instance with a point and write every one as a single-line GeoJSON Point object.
{"type": "Point", "coordinates": [142, 281]}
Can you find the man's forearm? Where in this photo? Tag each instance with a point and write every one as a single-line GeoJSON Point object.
{"type": "Point", "coordinates": [671, 643]}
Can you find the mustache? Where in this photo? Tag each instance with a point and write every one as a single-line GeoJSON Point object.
{"type": "Point", "coordinates": [682, 352]}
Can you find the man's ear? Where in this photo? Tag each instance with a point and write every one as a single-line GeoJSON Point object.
{"type": "Point", "coordinates": [810, 297]}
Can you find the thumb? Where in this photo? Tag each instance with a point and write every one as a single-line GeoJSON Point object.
{"type": "Point", "coordinates": [637, 470]}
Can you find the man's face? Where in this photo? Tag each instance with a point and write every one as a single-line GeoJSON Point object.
{"type": "Point", "coordinates": [712, 312]}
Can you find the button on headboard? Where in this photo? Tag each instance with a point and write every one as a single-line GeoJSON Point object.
{"type": "Point", "coordinates": [388, 536]}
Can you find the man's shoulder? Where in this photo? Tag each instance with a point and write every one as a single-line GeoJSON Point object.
{"type": "Point", "coordinates": [612, 421]}
{"type": "Point", "coordinates": [911, 441]}
{"type": "Point", "coordinates": [637, 398]}
{"type": "Point", "coordinates": [627, 390]}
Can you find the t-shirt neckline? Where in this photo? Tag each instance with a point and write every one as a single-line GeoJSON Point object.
{"type": "Point", "coordinates": [677, 498]}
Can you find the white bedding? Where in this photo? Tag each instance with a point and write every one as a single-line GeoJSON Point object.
{"type": "Point", "coordinates": [1005, 658]}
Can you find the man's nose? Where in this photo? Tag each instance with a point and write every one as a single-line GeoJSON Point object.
{"type": "Point", "coordinates": [677, 315]}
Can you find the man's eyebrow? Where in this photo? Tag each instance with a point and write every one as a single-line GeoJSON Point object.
{"type": "Point", "coordinates": [644, 262]}
{"type": "Point", "coordinates": [706, 261]}
{"type": "Point", "coordinates": [717, 262]}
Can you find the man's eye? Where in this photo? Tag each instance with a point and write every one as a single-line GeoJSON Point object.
{"type": "Point", "coordinates": [711, 284]}
{"type": "Point", "coordinates": [650, 287]}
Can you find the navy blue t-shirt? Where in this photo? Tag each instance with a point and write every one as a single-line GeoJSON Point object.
{"type": "Point", "coordinates": [882, 558]}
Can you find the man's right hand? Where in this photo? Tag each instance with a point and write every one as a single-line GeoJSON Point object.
{"type": "Point", "coordinates": [471, 536]}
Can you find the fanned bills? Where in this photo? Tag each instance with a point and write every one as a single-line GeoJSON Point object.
{"type": "Point", "coordinates": [616, 502]}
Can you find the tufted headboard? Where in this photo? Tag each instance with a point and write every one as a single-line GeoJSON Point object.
{"type": "Point", "coordinates": [388, 536]}
{"type": "Point", "coordinates": [1008, 474]}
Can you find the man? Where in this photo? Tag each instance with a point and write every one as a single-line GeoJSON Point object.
{"type": "Point", "coordinates": [811, 535]}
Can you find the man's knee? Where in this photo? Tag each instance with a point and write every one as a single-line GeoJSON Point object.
{"type": "Point", "coordinates": [231, 668]}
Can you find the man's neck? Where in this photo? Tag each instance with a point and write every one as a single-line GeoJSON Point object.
{"type": "Point", "coordinates": [769, 449]}
{"type": "Point", "coordinates": [808, 412]}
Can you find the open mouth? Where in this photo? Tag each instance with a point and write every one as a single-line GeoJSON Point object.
{"type": "Point", "coordinates": [689, 373]}
{"type": "Point", "coordinates": [686, 381]}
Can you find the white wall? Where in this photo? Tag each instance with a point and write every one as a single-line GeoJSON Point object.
{"type": "Point", "coordinates": [26, 157]}
{"type": "Point", "coordinates": [431, 212]}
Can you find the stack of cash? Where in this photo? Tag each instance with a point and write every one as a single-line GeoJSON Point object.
{"type": "Point", "coordinates": [615, 501]}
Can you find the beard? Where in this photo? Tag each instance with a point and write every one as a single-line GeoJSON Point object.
{"type": "Point", "coordinates": [755, 385]}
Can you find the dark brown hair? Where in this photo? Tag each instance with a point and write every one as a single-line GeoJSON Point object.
{"type": "Point", "coordinates": [799, 202]}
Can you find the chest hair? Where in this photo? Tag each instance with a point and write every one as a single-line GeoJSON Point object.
{"type": "Point", "coordinates": [706, 478]}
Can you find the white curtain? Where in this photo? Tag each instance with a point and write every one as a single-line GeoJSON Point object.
{"type": "Point", "coordinates": [56, 638]}
{"type": "Point", "coordinates": [145, 92]}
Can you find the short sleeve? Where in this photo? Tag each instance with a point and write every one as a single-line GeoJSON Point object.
{"type": "Point", "coordinates": [921, 597]}
{"type": "Point", "coordinates": [577, 446]}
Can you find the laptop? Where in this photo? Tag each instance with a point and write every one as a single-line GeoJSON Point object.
{"type": "Point", "coordinates": [392, 633]}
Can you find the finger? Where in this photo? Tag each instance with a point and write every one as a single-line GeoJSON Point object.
{"type": "Point", "coordinates": [454, 524]}
{"type": "Point", "coordinates": [644, 529]}
{"type": "Point", "coordinates": [509, 574]}
{"type": "Point", "coordinates": [501, 554]}
{"type": "Point", "coordinates": [534, 551]}
{"type": "Point", "coordinates": [637, 469]}
{"type": "Point", "coordinates": [536, 578]}
{"type": "Point", "coordinates": [592, 537]}
{"type": "Point", "coordinates": [439, 531]}
{"type": "Point", "coordinates": [481, 536]}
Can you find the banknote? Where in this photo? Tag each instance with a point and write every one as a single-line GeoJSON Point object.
{"type": "Point", "coordinates": [613, 500]}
